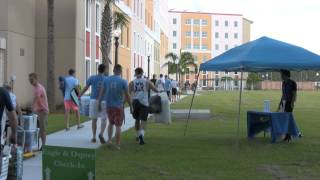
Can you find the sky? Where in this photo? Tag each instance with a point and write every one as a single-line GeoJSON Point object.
{"type": "Point", "coordinates": [293, 21]}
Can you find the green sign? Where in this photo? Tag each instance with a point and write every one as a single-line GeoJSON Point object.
{"type": "Point", "coordinates": [59, 163]}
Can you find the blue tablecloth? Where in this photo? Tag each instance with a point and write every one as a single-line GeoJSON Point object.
{"type": "Point", "coordinates": [279, 123]}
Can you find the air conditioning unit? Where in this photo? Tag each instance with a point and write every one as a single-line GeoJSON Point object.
{"type": "Point", "coordinates": [2, 43]}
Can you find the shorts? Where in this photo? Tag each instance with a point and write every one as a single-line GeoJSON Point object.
{"type": "Point", "coordinates": [115, 115]}
{"type": "Point", "coordinates": [43, 120]}
{"type": "Point", "coordinates": [140, 111]}
{"type": "Point", "coordinates": [174, 91]}
{"type": "Point", "coordinates": [69, 104]}
{"type": "Point", "coordinates": [94, 112]}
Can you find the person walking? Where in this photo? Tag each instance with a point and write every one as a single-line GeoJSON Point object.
{"type": "Point", "coordinates": [115, 91]}
{"type": "Point", "coordinates": [96, 82]}
{"type": "Point", "coordinates": [139, 89]}
{"type": "Point", "coordinates": [289, 95]}
{"type": "Point", "coordinates": [71, 83]}
{"type": "Point", "coordinates": [160, 83]}
{"type": "Point", "coordinates": [167, 86]}
{"type": "Point", "coordinates": [40, 106]}
{"type": "Point", "coordinates": [154, 79]}
{"type": "Point", "coordinates": [13, 98]}
{"type": "Point", "coordinates": [174, 85]}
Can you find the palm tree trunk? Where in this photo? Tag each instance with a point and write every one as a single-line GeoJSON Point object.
{"type": "Point", "coordinates": [51, 58]}
{"type": "Point", "coordinates": [106, 35]}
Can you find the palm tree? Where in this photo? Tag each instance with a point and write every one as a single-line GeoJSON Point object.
{"type": "Point", "coordinates": [51, 57]}
{"type": "Point", "coordinates": [110, 20]}
{"type": "Point", "coordinates": [185, 60]}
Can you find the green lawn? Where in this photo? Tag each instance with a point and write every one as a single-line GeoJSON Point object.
{"type": "Point", "coordinates": [209, 150]}
{"type": "Point", "coordinates": [56, 122]}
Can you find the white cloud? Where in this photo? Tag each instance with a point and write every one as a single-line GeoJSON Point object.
{"type": "Point", "coordinates": [293, 21]}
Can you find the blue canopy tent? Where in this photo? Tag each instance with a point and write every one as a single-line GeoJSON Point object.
{"type": "Point", "coordinates": [263, 54]}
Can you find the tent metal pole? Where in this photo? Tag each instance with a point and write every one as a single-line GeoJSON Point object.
{"type": "Point", "coordinates": [239, 108]}
{"type": "Point", "coordinates": [194, 93]}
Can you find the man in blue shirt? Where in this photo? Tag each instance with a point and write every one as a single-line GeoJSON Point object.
{"type": "Point", "coordinates": [115, 91]}
{"type": "Point", "coordinates": [71, 83]}
{"type": "Point", "coordinates": [167, 86]}
{"type": "Point", "coordinates": [96, 82]}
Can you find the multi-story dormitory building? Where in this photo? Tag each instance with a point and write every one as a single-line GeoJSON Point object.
{"type": "Point", "coordinates": [207, 35]}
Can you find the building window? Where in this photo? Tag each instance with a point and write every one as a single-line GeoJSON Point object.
{"type": "Point", "coordinates": [216, 23]}
{"type": "Point", "coordinates": [216, 35]}
{"type": "Point", "coordinates": [134, 6]}
{"type": "Point", "coordinates": [216, 82]}
{"type": "Point", "coordinates": [188, 46]}
{"type": "Point", "coordinates": [87, 69]}
{"type": "Point", "coordinates": [204, 22]}
{"type": "Point", "coordinates": [236, 73]}
{"type": "Point", "coordinates": [217, 46]}
{"type": "Point", "coordinates": [217, 72]}
{"type": "Point", "coordinates": [174, 33]}
{"type": "Point", "coordinates": [196, 34]}
{"type": "Point", "coordinates": [98, 18]}
{"type": "Point", "coordinates": [204, 59]}
{"type": "Point", "coordinates": [174, 46]}
{"type": "Point", "coordinates": [196, 22]}
{"type": "Point", "coordinates": [196, 46]}
{"type": "Point", "coordinates": [188, 33]}
{"type": "Point", "coordinates": [195, 57]}
{"type": "Point", "coordinates": [236, 83]}
{"type": "Point", "coordinates": [204, 47]}
{"type": "Point", "coordinates": [226, 73]}
{"type": "Point", "coordinates": [174, 21]}
{"type": "Point", "coordinates": [236, 35]}
{"type": "Point", "coordinates": [188, 21]}
{"type": "Point", "coordinates": [226, 23]}
{"type": "Point", "coordinates": [226, 35]}
{"type": "Point", "coordinates": [88, 14]}
{"type": "Point", "coordinates": [236, 24]}
{"type": "Point", "coordinates": [204, 34]}
{"type": "Point", "coordinates": [226, 47]}
{"type": "Point", "coordinates": [97, 67]}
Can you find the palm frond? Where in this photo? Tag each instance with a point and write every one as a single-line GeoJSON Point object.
{"type": "Point", "coordinates": [120, 19]}
{"type": "Point", "coordinates": [172, 55]}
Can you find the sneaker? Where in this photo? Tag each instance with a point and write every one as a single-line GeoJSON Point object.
{"type": "Point", "coordinates": [80, 126]}
{"type": "Point", "coordinates": [141, 140]}
{"type": "Point", "coordinates": [93, 140]}
{"type": "Point", "coordinates": [102, 140]}
{"type": "Point", "coordinates": [300, 135]}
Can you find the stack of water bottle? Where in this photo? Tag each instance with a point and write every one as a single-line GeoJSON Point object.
{"type": "Point", "coordinates": [84, 105]}
{"type": "Point", "coordinates": [28, 133]}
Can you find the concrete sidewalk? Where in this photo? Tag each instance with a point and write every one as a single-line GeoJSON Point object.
{"type": "Point", "coordinates": [32, 168]}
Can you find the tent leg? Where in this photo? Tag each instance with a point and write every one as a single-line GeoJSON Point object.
{"type": "Point", "coordinates": [239, 109]}
{"type": "Point", "coordinates": [194, 93]}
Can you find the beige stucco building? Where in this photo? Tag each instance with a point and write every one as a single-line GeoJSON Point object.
{"type": "Point", "coordinates": [23, 39]}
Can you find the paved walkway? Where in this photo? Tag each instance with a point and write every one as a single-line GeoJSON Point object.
{"type": "Point", "coordinates": [32, 168]}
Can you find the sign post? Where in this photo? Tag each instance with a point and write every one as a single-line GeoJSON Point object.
{"type": "Point", "coordinates": [68, 163]}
